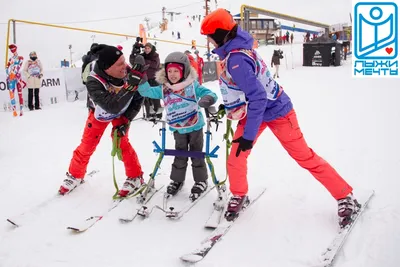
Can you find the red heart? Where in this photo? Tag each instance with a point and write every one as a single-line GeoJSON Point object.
{"type": "Point", "coordinates": [389, 50]}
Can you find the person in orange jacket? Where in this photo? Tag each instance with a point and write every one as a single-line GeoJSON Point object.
{"type": "Point", "coordinates": [200, 64]}
{"type": "Point", "coordinates": [193, 62]}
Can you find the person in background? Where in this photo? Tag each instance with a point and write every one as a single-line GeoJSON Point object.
{"type": "Point", "coordinates": [152, 60]}
{"type": "Point", "coordinates": [136, 49]}
{"type": "Point", "coordinates": [15, 83]}
{"type": "Point", "coordinates": [200, 66]}
{"type": "Point", "coordinates": [33, 71]}
{"type": "Point", "coordinates": [86, 59]}
{"type": "Point", "coordinates": [276, 60]}
{"type": "Point", "coordinates": [192, 61]}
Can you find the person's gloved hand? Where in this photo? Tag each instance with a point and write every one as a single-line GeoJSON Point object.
{"type": "Point", "coordinates": [136, 74]}
{"type": "Point", "coordinates": [244, 145]}
{"type": "Point", "coordinates": [221, 107]}
{"type": "Point", "coordinates": [206, 101]}
{"type": "Point", "coordinates": [122, 129]}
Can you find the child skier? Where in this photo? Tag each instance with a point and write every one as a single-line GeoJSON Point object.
{"type": "Point", "coordinates": [182, 96]}
{"type": "Point", "coordinates": [253, 97]}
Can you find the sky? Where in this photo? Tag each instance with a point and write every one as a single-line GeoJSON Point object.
{"type": "Point", "coordinates": [81, 14]}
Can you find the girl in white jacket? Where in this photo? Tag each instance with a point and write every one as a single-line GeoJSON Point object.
{"type": "Point", "coordinates": [33, 72]}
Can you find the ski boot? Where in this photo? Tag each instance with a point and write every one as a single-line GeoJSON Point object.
{"type": "Point", "coordinates": [174, 187]}
{"type": "Point", "coordinates": [235, 205]}
{"type": "Point", "coordinates": [69, 184]}
{"type": "Point", "coordinates": [130, 186]}
{"type": "Point", "coordinates": [198, 189]}
{"type": "Point", "coordinates": [347, 208]}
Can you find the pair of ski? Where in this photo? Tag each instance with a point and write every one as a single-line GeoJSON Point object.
{"type": "Point", "coordinates": [328, 256]}
{"type": "Point", "coordinates": [143, 211]}
{"type": "Point", "coordinates": [169, 211]}
{"type": "Point", "coordinates": [143, 195]}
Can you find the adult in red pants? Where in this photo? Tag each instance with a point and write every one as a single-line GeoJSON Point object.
{"type": "Point", "coordinates": [200, 66]}
{"type": "Point", "coordinates": [111, 100]}
{"type": "Point", "coordinates": [253, 97]}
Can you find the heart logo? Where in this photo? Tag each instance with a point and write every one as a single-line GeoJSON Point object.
{"type": "Point", "coordinates": [389, 50]}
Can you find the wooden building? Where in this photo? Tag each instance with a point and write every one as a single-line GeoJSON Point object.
{"type": "Point", "coordinates": [262, 29]}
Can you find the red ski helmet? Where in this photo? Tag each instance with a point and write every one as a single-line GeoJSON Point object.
{"type": "Point", "coordinates": [218, 19]}
{"type": "Point", "coordinates": [13, 47]}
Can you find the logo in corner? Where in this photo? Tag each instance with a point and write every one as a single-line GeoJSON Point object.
{"type": "Point", "coordinates": [375, 46]}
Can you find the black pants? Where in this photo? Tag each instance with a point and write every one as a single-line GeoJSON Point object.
{"type": "Point", "coordinates": [30, 98]}
{"type": "Point", "coordinates": [148, 102]}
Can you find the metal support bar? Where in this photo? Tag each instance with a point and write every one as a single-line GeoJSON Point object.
{"type": "Point", "coordinates": [14, 32]}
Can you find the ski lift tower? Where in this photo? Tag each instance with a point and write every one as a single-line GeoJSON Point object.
{"type": "Point", "coordinates": [172, 14]}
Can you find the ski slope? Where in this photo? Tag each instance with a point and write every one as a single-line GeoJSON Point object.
{"type": "Point", "coordinates": [165, 42]}
{"type": "Point", "coordinates": [352, 123]}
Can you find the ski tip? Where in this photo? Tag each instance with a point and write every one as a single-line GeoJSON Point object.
{"type": "Point", "coordinates": [211, 226]}
{"type": "Point", "coordinates": [192, 258]}
{"type": "Point", "coordinates": [123, 220]}
{"type": "Point", "coordinates": [75, 230]}
{"type": "Point", "coordinates": [13, 223]}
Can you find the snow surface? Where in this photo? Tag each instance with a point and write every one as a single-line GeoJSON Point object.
{"type": "Point", "coordinates": [352, 123]}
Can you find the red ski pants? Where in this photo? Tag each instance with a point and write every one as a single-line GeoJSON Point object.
{"type": "Point", "coordinates": [200, 73]}
{"type": "Point", "coordinates": [288, 132]}
{"type": "Point", "coordinates": [92, 134]}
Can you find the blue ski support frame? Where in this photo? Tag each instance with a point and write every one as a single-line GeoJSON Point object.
{"type": "Point", "coordinates": [163, 151]}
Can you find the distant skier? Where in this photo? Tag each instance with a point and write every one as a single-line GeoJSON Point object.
{"type": "Point", "coordinates": [15, 84]}
{"type": "Point", "coordinates": [112, 98]}
{"type": "Point", "coordinates": [183, 97]}
{"type": "Point", "coordinates": [252, 97]}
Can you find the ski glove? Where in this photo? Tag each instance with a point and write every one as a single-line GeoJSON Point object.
{"type": "Point", "coordinates": [136, 74]}
{"type": "Point", "coordinates": [122, 129]}
{"type": "Point", "coordinates": [244, 145]}
{"type": "Point", "coordinates": [206, 101]}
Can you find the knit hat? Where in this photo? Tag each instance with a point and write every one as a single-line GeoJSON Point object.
{"type": "Point", "coordinates": [181, 59]}
{"type": "Point", "coordinates": [108, 55]}
{"type": "Point", "coordinates": [149, 45]}
{"type": "Point", "coordinates": [178, 66]}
